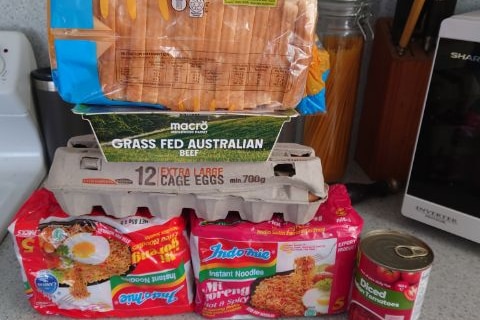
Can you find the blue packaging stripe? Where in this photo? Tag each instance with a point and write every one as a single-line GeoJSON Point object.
{"type": "Point", "coordinates": [313, 104]}
{"type": "Point", "coordinates": [76, 75]}
{"type": "Point", "coordinates": [316, 103]}
{"type": "Point", "coordinates": [68, 14]}
{"type": "Point", "coordinates": [325, 75]}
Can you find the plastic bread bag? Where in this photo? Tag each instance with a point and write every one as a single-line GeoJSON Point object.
{"type": "Point", "coordinates": [196, 55]}
{"type": "Point", "coordinates": [276, 268]}
{"type": "Point", "coordinates": [96, 266]}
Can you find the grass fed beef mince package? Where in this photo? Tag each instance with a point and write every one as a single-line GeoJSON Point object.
{"type": "Point", "coordinates": [95, 266]}
{"type": "Point", "coordinates": [276, 268]}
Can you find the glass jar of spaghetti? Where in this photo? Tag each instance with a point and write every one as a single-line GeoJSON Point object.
{"type": "Point", "coordinates": [343, 27]}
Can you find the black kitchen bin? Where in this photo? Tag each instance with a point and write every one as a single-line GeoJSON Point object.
{"type": "Point", "coordinates": [56, 119]}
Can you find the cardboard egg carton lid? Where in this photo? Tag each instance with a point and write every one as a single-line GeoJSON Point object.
{"type": "Point", "coordinates": [291, 182]}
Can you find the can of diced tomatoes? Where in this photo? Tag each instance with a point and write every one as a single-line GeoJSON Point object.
{"type": "Point", "coordinates": [391, 277]}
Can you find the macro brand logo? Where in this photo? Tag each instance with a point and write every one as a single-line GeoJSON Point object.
{"type": "Point", "coordinates": [439, 217]}
{"type": "Point", "coordinates": [186, 127]}
{"type": "Point", "coordinates": [464, 57]}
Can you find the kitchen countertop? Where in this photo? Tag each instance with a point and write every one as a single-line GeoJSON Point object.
{"type": "Point", "coordinates": [453, 289]}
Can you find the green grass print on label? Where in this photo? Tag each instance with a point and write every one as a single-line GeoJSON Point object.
{"type": "Point", "coordinates": [264, 128]}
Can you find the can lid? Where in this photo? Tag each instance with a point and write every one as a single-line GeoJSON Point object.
{"type": "Point", "coordinates": [396, 250]}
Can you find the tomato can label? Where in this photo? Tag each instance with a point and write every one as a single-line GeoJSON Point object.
{"type": "Point", "coordinates": [390, 285]}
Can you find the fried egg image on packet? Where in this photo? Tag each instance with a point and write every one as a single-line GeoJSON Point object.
{"type": "Point", "coordinates": [317, 299]}
{"type": "Point", "coordinates": [86, 248]}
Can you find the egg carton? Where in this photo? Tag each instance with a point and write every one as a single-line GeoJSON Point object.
{"type": "Point", "coordinates": [291, 182]}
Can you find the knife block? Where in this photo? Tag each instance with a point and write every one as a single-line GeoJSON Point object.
{"type": "Point", "coordinates": [394, 96]}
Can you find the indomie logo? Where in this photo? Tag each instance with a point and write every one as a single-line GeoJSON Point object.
{"type": "Point", "coordinates": [140, 298]}
{"type": "Point", "coordinates": [219, 253]}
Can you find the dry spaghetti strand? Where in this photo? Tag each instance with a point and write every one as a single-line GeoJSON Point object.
{"type": "Point", "coordinates": [329, 133]}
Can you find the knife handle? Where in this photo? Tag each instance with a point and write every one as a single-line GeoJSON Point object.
{"type": "Point", "coordinates": [415, 11]}
{"type": "Point", "coordinates": [438, 10]}
{"type": "Point", "coordinates": [402, 9]}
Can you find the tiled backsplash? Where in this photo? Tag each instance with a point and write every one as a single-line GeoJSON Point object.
{"type": "Point", "coordinates": [29, 16]}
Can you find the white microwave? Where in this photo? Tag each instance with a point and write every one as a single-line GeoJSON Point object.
{"type": "Point", "coordinates": [443, 187]}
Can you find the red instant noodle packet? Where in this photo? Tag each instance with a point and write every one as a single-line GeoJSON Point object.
{"type": "Point", "coordinates": [98, 266]}
{"type": "Point", "coordinates": [276, 268]}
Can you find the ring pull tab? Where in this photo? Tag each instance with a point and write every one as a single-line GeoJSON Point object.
{"type": "Point", "coordinates": [410, 252]}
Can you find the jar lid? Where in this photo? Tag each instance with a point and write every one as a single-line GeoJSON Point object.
{"type": "Point", "coordinates": [343, 8]}
{"type": "Point", "coordinates": [357, 11]}
{"type": "Point", "coordinates": [348, 1]}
